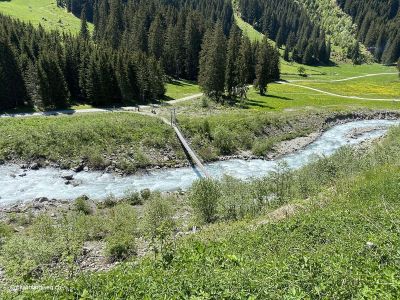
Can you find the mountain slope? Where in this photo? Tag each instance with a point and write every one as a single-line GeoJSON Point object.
{"type": "Point", "coordinates": [45, 12]}
{"type": "Point", "coordinates": [378, 24]}
{"type": "Point", "coordinates": [337, 24]}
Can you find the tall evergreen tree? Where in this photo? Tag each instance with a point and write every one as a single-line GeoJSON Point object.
{"type": "Point", "coordinates": [231, 70]}
{"type": "Point", "coordinates": [156, 38]}
{"type": "Point", "coordinates": [52, 86]}
{"type": "Point", "coordinates": [84, 31]}
{"type": "Point", "coordinates": [265, 63]}
{"type": "Point", "coordinates": [193, 44]}
{"type": "Point", "coordinates": [114, 28]}
{"type": "Point", "coordinates": [355, 54]}
{"type": "Point", "coordinates": [212, 63]}
{"type": "Point", "coordinates": [12, 87]}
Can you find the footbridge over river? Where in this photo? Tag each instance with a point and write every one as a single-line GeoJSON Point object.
{"type": "Point", "coordinates": [189, 151]}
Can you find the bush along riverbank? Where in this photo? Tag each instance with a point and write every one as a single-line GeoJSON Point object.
{"type": "Point", "coordinates": [326, 230]}
{"type": "Point", "coordinates": [125, 143]}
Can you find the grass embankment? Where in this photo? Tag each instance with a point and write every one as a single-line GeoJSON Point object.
{"type": "Point", "coordinates": [123, 141]}
{"type": "Point", "coordinates": [44, 12]}
{"type": "Point", "coordinates": [335, 237]}
{"type": "Point", "coordinates": [178, 89]}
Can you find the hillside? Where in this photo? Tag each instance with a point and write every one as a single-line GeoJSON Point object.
{"type": "Point", "coordinates": [333, 235]}
{"type": "Point", "coordinates": [44, 12]}
{"type": "Point", "coordinates": [378, 24]}
{"type": "Point", "coordinates": [200, 150]}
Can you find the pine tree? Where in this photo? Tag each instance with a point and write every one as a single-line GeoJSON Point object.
{"type": "Point", "coordinates": [245, 62]}
{"type": "Point", "coordinates": [263, 74]}
{"type": "Point", "coordinates": [212, 63]}
{"type": "Point", "coordinates": [156, 38]}
{"type": "Point", "coordinates": [84, 32]}
{"type": "Point", "coordinates": [193, 42]}
{"type": "Point", "coordinates": [231, 70]}
{"type": "Point", "coordinates": [392, 51]}
{"type": "Point", "coordinates": [308, 57]}
{"type": "Point", "coordinates": [114, 28]}
{"type": "Point", "coordinates": [12, 87]}
{"type": "Point", "coordinates": [52, 86]}
{"type": "Point", "coordinates": [244, 66]}
{"type": "Point", "coordinates": [355, 54]}
{"type": "Point", "coordinates": [286, 54]}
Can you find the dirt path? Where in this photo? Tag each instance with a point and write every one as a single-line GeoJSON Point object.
{"type": "Point", "coordinates": [98, 110]}
{"type": "Point", "coordinates": [337, 95]}
{"type": "Point", "coordinates": [344, 79]}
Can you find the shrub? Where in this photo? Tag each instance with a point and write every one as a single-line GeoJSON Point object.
{"type": "Point", "coordinates": [158, 217]}
{"type": "Point", "coordinates": [110, 201]}
{"type": "Point", "coordinates": [26, 255]}
{"type": "Point", "coordinates": [82, 205]}
{"type": "Point", "coordinates": [145, 194]}
{"type": "Point", "coordinates": [120, 247]}
{"type": "Point", "coordinates": [236, 201]}
{"type": "Point", "coordinates": [133, 198]}
{"type": "Point", "coordinates": [224, 140]}
{"type": "Point", "coordinates": [204, 197]}
{"type": "Point", "coordinates": [120, 242]}
{"type": "Point", "coordinates": [261, 148]}
{"type": "Point", "coordinates": [204, 102]}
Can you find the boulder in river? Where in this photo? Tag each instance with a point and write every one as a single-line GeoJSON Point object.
{"type": "Point", "coordinates": [35, 166]}
{"type": "Point", "coordinates": [68, 177]}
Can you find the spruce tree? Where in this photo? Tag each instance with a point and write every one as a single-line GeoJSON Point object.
{"type": "Point", "coordinates": [156, 38]}
{"type": "Point", "coordinates": [114, 28]}
{"type": "Point", "coordinates": [244, 66]}
{"type": "Point", "coordinates": [355, 54]}
{"type": "Point", "coordinates": [212, 63]}
{"type": "Point", "coordinates": [231, 70]}
{"type": "Point", "coordinates": [193, 42]}
{"type": "Point", "coordinates": [84, 32]}
{"type": "Point", "coordinates": [12, 87]}
{"type": "Point", "coordinates": [263, 71]}
{"type": "Point", "coordinates": [52, 86]}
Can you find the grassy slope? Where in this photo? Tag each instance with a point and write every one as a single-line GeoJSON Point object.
{"type": "Point", "coordinates": [132, 141]}
{"type": "Point", "coordinates": [180, 89]}
{"type": "Point", "coordinates": [44, 12]}
{"type": "Point", "coordinates": [340, 244]}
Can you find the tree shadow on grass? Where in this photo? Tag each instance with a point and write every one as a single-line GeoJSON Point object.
{"type": "Point", "coordinates": [255, 103]}
{"type": "Point", "coordinates": [181, 82]}
{"type": "Point", "coordinates": [262, 103]}
{"type": "Point", "coordinates": [278, 97]}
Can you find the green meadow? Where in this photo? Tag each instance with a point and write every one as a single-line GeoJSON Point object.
{"type": "Point", "coordinates": [43, 12]}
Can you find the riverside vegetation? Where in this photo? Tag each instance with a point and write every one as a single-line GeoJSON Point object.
{"type": "Point", "coordinates": [329, 230]}
{"type": "Point", "coordinates": [326, 230]}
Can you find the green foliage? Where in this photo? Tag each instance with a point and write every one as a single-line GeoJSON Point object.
{"type": "Point", "coordinates": [235, 202]}
{"type": "Point", "coordinates": [261, 148]}
{"type": "Point", "coordinates": [92, 137]}
{"type": "Point", "coordinates": [82, 205]}
{"type": "Point", "coordinates": [120, 242]}
{"type": "Point", "coordinates": [330, 248]}
{"type": "Point", "coordinates": [204, 197]}
{"type": "Point", "coordinates": [28, 256]}
{"type": "Point", "coordinates": [302, 71]}
{"type": "Point", "coordinates": [145, 194]}
{"type": "Point", "coordinates": [5, 232]}
{"type": "Point", "coordinates": [224, 140]}
{"type": "Point", "coordinates": [133, 198]}
{"type": "Point", "coordinates": [110, 201]}
{"type": "Point", "coordinates": [158, 222]}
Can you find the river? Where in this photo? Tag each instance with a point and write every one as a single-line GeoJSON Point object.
{"type": "Point", "coordinates": [48, 182]}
